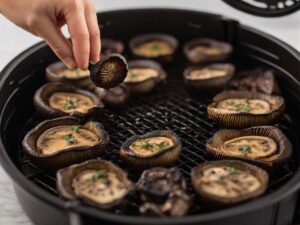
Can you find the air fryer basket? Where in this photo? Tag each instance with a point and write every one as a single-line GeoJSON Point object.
{"type": "Point", "coordinates": [169, 107]}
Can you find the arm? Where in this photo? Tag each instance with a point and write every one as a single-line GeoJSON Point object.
{"type": "Point", "coordinates": [45, 18]}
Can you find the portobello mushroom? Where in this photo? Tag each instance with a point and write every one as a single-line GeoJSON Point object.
{"type": "Point", "coordinates": [58, 72]}
{"type": "Point", "coordinates": [154, 46]}
{"type": "Point", "coordinates": [109, 46]}
{"type": "Point", "coordinates": [204, 50]}
{"type": "Point", "coordinates": [239, 109]}
{"type": "Point", "coordinates": [109, 72]}
{"type": "Point", "coordinates": [58, 99]}
{"type": "Point", "coordinates": [96, 182]}
{"type": "Point", "coordinates": [228, 182]}
{"type": "Point", "coordinates": [63, 141]}
{"type": "Point", "coordinates": [208, 79]}
{"type": "Point", "coordinates": [163, 192]}
{"type": "Point", "coordinates": [158, 148]}
{"type": "Point", "coordinates": [114, 97]}
{"type": "Point", "coordinates": [143, 76]}
{"type": "Point", "coordinates": [265, 146]}
{"type": "Point", "coordinates": [258, 80]}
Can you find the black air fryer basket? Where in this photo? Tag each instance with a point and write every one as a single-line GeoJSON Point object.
{"type": "Point", "coordinates": [169, 107]}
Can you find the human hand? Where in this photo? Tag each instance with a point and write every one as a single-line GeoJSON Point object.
{"type": "Point", "coordinates": [44, 18]}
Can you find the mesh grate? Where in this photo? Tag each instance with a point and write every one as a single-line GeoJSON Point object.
{"type": "Point", "coordinates": [170, 107]}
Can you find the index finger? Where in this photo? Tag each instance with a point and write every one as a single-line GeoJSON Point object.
{"type": "Point", "coordinates": [78, 30]}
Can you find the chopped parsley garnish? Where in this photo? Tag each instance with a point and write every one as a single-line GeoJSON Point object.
{"type": "Point", "coordinates": [69, 138]}
{"type": "Point", "coordinates": [221, 180]}
{"type": "Point", "coordinates": [156, 47]}
{"type": "Point", "coordinates": [162, 145]}
{"type": "Point", "coordinates": [246, 149]}
{"type": "Point", "coordinates": [133, 76]}
{"type": "Point", "coordinates": [100, 175]}
{"type": "Point", "coordinates": [69, 104]}
{"type": "Point", "coordinates": [231, 170]}
{"type": "Point", "coordinates": [146, 145]}
{"type": "Point", "coordinates": [76, 128]}
{"type": "Point", "coordinates": [242, 107]}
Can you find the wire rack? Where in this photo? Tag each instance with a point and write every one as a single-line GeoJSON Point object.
{"type": "Point", "coordinates": [169, 107]}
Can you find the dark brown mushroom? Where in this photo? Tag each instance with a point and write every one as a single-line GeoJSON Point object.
{"type": "Point", "coordinates": [154, 46]}
{"type": "Point", "coordinates": [63, 141]}
{"type": "Point", "coordinates": [109, 72]}
{"type": "Point", "coordinates": [240, 109]}
{"type": "Point", "coordinates": [163, 192]}
{"type": "Point", "coordinates": [110, 46]}
{"type": "Point", "coordinates": [208, 79]}
{"type": "Point", "coordinates": [207, 50]}
{"type": "Point", "coordinates": [158, 148]}
{"type": "Point", "coordinates": [265, 146]}
{"type": "Point", "coordinates": [258, 80]}
{"type": "Point", "coordinates": [143, 76]}
{"type": "Point", "coordinates": [96, 182]}
{"type": "Point", "coordinates": [228, 182]}
{"type": "Point", "coordinates": [58, 99]}
{"type": "Point", "coordinates": [114, 97]}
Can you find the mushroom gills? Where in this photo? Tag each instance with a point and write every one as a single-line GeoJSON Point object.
{"type": "Point", "coordinates": [228, 182]}
{"type": "Point", "coordinates": [154, 48]}
{"type": "Point", "coordinates": [152, 145]}
{"type": "Point", "coordinates": [73, 73]}
{"type": "Point", "coordinates": [250, 146]}
{"type": "Point", "coordinates": [206, 73]}
{"type": "Point", "coordinates": [140, 74]}
{"type": "Point", "coordinates": [100, 186]}
{"type": "Point", "coordinates": [59, 138]}
{"type": "Point", "coordinates": [237, 105]}
{"type": "Point", "coordinates": [71, 102]}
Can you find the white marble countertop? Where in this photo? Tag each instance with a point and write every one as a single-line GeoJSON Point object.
{"type": "Point", "coordinates": [13, 40]}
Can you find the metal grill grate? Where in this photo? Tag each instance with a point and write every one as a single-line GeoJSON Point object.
{"type": "Point", "coordinates": [169, 107]}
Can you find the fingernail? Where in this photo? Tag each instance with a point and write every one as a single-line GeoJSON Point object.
{"type": "Point", "coordinates": [70, 63]}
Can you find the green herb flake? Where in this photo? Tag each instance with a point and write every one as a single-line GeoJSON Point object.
{"type": "Point", "coordinates": [69, 104]}
{"type": "Point", "coordinates": [242, 107]}
{"type": "Point", "coordinates": [69, 138]}
{"type": "Point", "coordinates": [246, 149]}
{"type": "Point", "coordinates": [162, 145]}
{"type": "Point", "coordinates": [133, 76]}
{"type": "Point", "coordinates": [146, 145]}
{"type": "Point", "coordinates": [99, 175]}
{"type": "Point", "coordinates": [156, 47]}
{"type": "Point", "coordinates": [76, 128]}
{"type": "Point", "coordinates": [221, 180]}
{"type": "Point", "coordinates": [231, 170]}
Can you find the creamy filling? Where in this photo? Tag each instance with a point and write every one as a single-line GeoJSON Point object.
{"type": "Point", "coordinates": [150, 146]}
{"type": "Point", "coordinates": [237, 105]}
{"type": "Point", "coordinates": [100, 186]}
{"type": "Point", "coordinates": [76, 73]}
{"type": "Point", "coordinates": [154, 48]}
{"type": "Point", "coordinates": [205, 73]}
{"type": "Point", "coordinates": [71, 102]}
{"type": "Point", "coordinates": [250, 146]}
{"type": "Point", "coordinates": [140, 74]}
{"type": "Point", "coordinates": [59, 138]}
{"type": "Point", "coordinates": [207, 50]}
{"type": "Point", "coordinates": [228, 182]}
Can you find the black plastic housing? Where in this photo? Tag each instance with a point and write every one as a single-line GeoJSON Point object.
{"type": "Point", "coordinates": [22, 76]}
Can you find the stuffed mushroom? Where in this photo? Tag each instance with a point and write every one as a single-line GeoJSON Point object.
{"type": "Point", "coordinates": [204, 50]}
{"type": "Point", "coordinates": [266, 145]}
{"type": "Point", "coordinates": [158, 148]}
{"type": "Point", "coordinates": [238, 109]}
{"type": "Point", "coordinates": [143, 76]}
{"type": "Point", "coordinates": [228, 182]}
{"type": "Point", "coordinates": [63, 141]}
{"type": "Point", "coordinates": [58, 99]}
{"type": "Point", "coordinates": [96, 182]}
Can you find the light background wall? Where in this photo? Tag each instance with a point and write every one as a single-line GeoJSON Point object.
{"type": "Point", "coordinates": [13, 40]}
